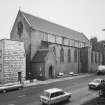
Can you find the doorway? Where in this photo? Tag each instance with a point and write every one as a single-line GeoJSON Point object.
{"type": "Point", "coordinates": [84, 59]}
{"type": "Point", "coordinates": [51, 72]}
{"type": "Point", "coordinates": [20, 77]}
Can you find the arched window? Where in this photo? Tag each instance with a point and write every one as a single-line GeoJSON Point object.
{"type": "Point", "coordinates": [69, 55]}
{"type": "Point", "coordinates": [75, 55]}
{"type": "Point", "coordinates": [96, 58]}
{"type": "Point", "coordinates": [54, 50]}
{"type": "Point", "coordinates": [92, 57]}
{"type": "Point", "coordinates": [99, 58]}
{"type": "Point", "coordinates": [19, 28]}
{"type": "Point", "coordinates": [61, 55]}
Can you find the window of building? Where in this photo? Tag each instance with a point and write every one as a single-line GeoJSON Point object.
{"type": "Point", "coordinates": [0, 67]}
{"type": "Point", "coordinates": [45, 37]}
{"type": "Point", "coordinates": [76, 44]}
{"type": "Point", "coordinates": [62, 55]}
{"type": "Point", "coordinates": [54, 50]}
{"type": "Point", "coordinates": [86, 44]}
{"type": "Point", "coordinates": [0, 53]}
{"type": "Point", "coordinates": [19, 28]}
{"type": "Point", "coordinates": [66, 41]}
{"type": "Point", "coordinates": [96, 58]}
{"type": "Point", "coordinates": [58, 39]}
{"type": "Point", "coordinates": [79, 44]}
{"type": "Point", "coordinates": [99, 58]}
{"type": "Point", "coordinates": [75, 55]}
{"type": "Point", "coordinates": [82, 44]}
{"type": "Point", "coordinates": [69, 55]}
{"type": "Point", "coordinates": [71, 42]}
{"type": "Point", "coordinates": [104, 45]}
{"type": "Point", "coordinates": [51, 38]}
{"type": "Point", "coordinates": [92, 57]}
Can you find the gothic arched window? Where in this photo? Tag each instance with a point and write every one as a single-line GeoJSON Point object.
{"type": "Point", "coordinates": [96, 58]}
{"type": "Point", "coordinates": [19, 28]}
{"type": "Point", "coordinates": [54, 50]}
{"type": "Point", "coordinates": [75, 55]}
{"type": "Point", "coordinates": [99, 58]}
{"type": "Point", "coordinates": [61, 55]}
{"type": "Point", "coordinates": [92, 57]}
{"type": "Point", "coordinates": [69, 55]}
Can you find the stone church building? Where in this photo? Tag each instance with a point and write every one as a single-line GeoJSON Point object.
{"type": "Point", "coordinates": [51, 48]}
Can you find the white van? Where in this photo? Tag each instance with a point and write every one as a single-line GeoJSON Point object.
{"type": "Point", "coordinates": [101, 69]}
{"type": "Point", "coordinates": [54, 95]}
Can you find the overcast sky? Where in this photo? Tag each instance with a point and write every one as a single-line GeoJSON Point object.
{"type": "Point", "coordinates": [86, 16]}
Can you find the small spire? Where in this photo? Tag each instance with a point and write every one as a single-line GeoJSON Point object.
{"type": "Point", "coordinates": [19, 8]}
{"type": "Point", "coordinates": [19, 5]}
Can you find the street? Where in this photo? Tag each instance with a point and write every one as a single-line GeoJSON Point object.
{"type": "Point", "coordinates": [30, 95]}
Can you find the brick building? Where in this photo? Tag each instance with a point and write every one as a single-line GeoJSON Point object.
{"type": "Point", "coordinates": [51, 48]}
{"type": "Point", "coordinates": [98, 46]}
{"type": "Point", "coordinates": [12, 61]}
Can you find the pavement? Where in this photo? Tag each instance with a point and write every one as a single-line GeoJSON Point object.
{"type": "Point", "coordinates": [37, 82]}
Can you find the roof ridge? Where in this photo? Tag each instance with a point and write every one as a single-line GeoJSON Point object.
{"type": "Point", "coordinates": [52, 28]}
{"type": "Point", "coordinates": [25, 17]}
{"type": "Point", "coordinates": [49, 21]}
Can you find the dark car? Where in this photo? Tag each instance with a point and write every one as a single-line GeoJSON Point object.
{"type": "Point", "coordinates": [10, 86]}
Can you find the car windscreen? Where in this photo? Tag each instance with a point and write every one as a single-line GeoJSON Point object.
{"type": "Point", "coordinates": [57, 94]}
{"type": "Point", "coordinates": [97, 81]}
{"type": "Point", "coordinates": [46, 94]}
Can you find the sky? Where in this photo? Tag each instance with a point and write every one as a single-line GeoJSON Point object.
{"type": "Point", "coordinates": [86, 16]}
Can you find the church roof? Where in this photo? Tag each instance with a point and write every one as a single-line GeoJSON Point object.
{"type": "Point", "coordinates": [47, 26]}
{"type": "Point", "coordinates": [40, 56]}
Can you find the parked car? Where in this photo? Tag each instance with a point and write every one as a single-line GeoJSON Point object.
{"type": "Point", "coordinates": [73, 74]}
{"type": "Point", "coordinates": [95, 84]}
{"type": "Point", "coordinates": [60, 74]}
{"type": "Point", "coordinates": [10, 86]}
{"type": "Point", "coordinates": [101, 69]}
{"type": "Point", "coordinates": [54, 95]}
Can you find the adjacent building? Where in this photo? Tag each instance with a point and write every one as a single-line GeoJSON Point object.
{"type": "Point", "coordinates": [12, 61]}
{"type": "Point", "coordinates": [98, 46]}
{"type": "Point", "coordinates": [51, 48]}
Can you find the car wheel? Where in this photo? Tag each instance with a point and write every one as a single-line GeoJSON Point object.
{"type": "Point", "coordinates": [68, 99]}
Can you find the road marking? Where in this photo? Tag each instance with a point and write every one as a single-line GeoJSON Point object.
{"type": "Point", "coordinates": [21, 96]}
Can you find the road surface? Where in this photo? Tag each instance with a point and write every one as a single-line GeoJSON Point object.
{"type": "Point", "coordinates": [30, 95]}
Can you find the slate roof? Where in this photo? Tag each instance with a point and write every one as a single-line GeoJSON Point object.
{"type": "Point", "coordinates": [47, 26]}
{"type": "Point", "coordinates": [40, 56]}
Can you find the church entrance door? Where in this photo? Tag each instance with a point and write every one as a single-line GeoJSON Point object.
{"type": "Point", "coordinates": [51, 72]}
